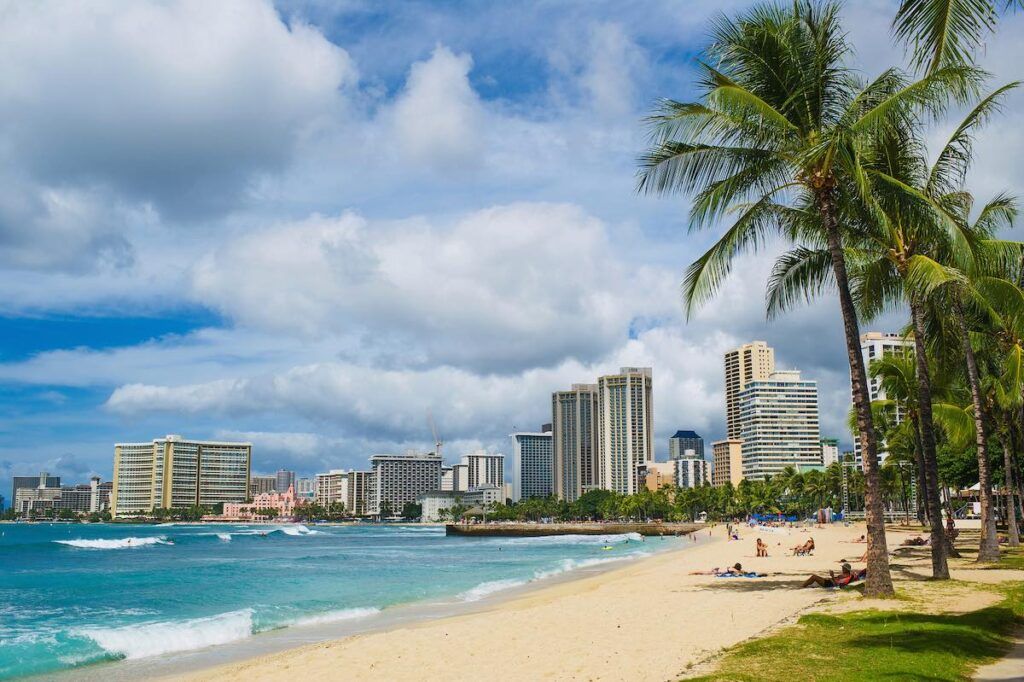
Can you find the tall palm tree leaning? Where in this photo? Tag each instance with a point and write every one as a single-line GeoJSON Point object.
{"type": "Point", "coordinates": [776, 137]}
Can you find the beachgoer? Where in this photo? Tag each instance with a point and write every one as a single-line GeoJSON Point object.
{"type": "Point", "coordinates": [735, 569]}
{"type": "Point", "coordinates": [762, 548]}
{"type": "Point", "coordinates": [847, 576]}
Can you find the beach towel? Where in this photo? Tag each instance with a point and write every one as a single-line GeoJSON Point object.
{"type": "Point", "coordinates": [741, 575]}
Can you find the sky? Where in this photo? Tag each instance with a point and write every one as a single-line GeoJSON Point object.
{"type": "Point", "coordinates": [308, 224]}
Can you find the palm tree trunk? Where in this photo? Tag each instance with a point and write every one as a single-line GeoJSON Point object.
{"type": "Point", "coordinates": [922, 508]}
{"type": "Point", "coordinates": [988, 547]}
{"type": "Point", "coordinates": [879, 581]}
{"type": "Point", "coordinates": [1011, 506]}
{"type": "Point", "coordinates": [940, 568]}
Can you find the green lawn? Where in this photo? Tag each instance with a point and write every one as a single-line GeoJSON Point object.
{"type": "Point", "coordinates": [877, 645]}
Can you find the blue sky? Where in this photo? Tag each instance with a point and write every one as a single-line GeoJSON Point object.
{"type": "Point", "coordinates": [307, 224]}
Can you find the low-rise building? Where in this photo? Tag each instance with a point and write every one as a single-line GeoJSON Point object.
{"type": "Point", "coordinates": [655, 475]}
{"type": "Point", "coordinates": [434, 503]}
{"type": "Point", "coordinates": [277, 504]}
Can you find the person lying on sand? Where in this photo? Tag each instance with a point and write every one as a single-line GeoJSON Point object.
{"type": "Point", "coordinates": [806, 548]}
{"type": "Point", "coordinates": [847, 576]}
{"type": "Point", "coordinates": [862, 538]}
{"type": "Point", "coordinates": [915, 542]}
{"type": "Point", "coordinates": [735, 569]}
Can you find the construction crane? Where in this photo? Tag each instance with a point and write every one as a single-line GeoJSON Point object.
{"type": "Point", "coordinates": [433, 429]}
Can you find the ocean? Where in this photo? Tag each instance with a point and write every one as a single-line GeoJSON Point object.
{"type": "Point", "coordinates": [76, 595]}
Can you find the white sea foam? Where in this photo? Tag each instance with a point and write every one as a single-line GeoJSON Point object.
{"type": "Point", "coordinates": [573, 539]}
{"type": "Point", "coordinates": [120, 543]}
{"type": "Point", "coordinates": [335, 616]}
{"type": "Point", "coordinates": [483, 589]}
{"type": "Point", "coordinates": [226, 537]}
{"type": "Point", "coordinates": [297, 529]}
{"type": "Point", "coordinates": [153, 639]}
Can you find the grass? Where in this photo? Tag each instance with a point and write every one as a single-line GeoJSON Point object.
{"type": "Point", "coordinates": [1011, 557]}
{"type": "Point", "coordinates": [876, 645]}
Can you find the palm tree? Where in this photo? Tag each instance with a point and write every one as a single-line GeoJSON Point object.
{"type": "Point", "coordinates": [942, 32]}
{"type": "Point", "coordinates": [777, 136]}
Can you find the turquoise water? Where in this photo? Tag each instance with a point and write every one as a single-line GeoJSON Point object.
{"type": "Point", "coordinates": [71, 595]}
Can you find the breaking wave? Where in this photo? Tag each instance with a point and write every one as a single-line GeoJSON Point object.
{"type": "Point", "coordinates": [120, 543]}
{"type": "Point", "coordinates": [153, 639]}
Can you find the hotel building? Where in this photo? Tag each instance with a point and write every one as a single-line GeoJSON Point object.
{"type": "Point", "coordinates": [684, 441]}
{"type": "Point", "coordinates": [779, 424]}
{"type": "Point", "coordinates": [484, 469]}
{"type": "Point", "coordinates": [574, 441]}
{"type": "Point", "coordinates": [93, 496]}
{"type": "Point", "coordinates": [284, 480]}
{"type": "Point", "coordinates": [262, 484]}
{"type": "Point", "coordinates": [175, 472]}
{"type": "Point", "coordinates": [750, 362]}
{"type": "Point", "coordinates": [532, 465]}
{"type": "Point", "coordinates": [331, 488]}
{"type": "Point", "coordinates": [399, 479]}
{"type": "Point", "coordinates": [873, 346]}
{"type": "Point", "coordinates": [625, 426]}
{"type": "Point", "coordinates": [358, 493]}
{"type": "Point", "coordinates": [829, 451]}
{"type": "Point", "coordinates": [31, 493]}
{"type": "Point", "coordinates": [691, 472]}
{"type": "Point", "coordinates": [264, 505]}
{"type": "Point", "coordinates": [727, 457]}
{"type": "Point", "coordinates": [434, 502]}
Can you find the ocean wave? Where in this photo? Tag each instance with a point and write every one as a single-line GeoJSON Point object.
{"type": "Point", "coordinates": [564, 566]}
{"type": "Point", "coordinates": [118, 543]}
{"type": "Point", "coordinates": [297, 529]}
{"type": "Point", "coordinates": [490, 587]}
{"type": "Point", "coordinates": [335, 616]}
{"type": "Point", "coordinates": [153, 639]}
{"type": "Point", "coordinates": [226, 537]}
{"type": "Point", "coordinates": [578, 539]}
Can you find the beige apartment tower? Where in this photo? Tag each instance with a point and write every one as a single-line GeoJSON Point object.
{"type": "Point", "coordinates": [728, 461]}
{"type": "Point", "coordinates": [175, 472]}
{"type": "Point", "coordinates": [574, 441]}
{"type": "Point", "coordinates": [750, 362]}
{"type": "Point", "coordinates": [625, 425]}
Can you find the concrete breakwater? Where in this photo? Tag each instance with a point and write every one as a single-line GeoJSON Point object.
{"type": "Point", "coordinates": [541, 529]}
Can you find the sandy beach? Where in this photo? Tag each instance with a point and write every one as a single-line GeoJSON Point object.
{"type": "Point", "coordinates": [649, 620]}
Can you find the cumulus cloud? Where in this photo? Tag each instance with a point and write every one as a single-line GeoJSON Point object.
{"type": "Point", "coordinates": [437, 115]}
{"type": "Point", "coordinates": [174, 104]}
{"type": "Point", "coordinates": [503, 288]}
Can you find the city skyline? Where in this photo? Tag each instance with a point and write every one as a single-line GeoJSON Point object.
{"type": "Point", "coordinates": [377, 239]}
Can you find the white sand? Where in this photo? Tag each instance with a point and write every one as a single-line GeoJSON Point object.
{"type": "Point", "coordinates": [649, 620]}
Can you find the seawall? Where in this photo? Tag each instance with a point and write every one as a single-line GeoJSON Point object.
{"type": "Point", "coordinates": [541, 529]}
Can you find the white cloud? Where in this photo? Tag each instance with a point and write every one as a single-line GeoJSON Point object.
{"type": "Point", "coordinates": [506, 287]}
{"type": "Point", "coordinates": [437, 115]}
{"type": "Point", "coordinates": [176, 104]}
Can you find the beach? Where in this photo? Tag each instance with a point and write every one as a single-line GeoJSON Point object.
{"type": "Point", "coordinates": [650, 619]}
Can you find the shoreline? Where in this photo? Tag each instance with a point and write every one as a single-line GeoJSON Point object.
{"type": "Point", "coordinates": [280, 641]}
{"type": "Point", "coordinates": [648, 619]}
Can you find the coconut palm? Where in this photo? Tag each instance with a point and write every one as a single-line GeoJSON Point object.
{"type": "Point", "coordinates": [941, 32]}
{"type": "Point", "coordinates": [777, 137]}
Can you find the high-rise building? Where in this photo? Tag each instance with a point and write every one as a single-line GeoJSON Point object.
{"type": "Point", "coordinates": [447, 478]}
{"type": "Point", "coordinates": [574, 441]}
{"type": "Point", "coordinates": [32, 493]}
{"type": "Point", "coordinates": [750, 362]}
{"type": "Point", "coordinates": [779, 424]}
{"type": "Point", "coordinates": [175, 472]}
{"type": "Point", "coordinates": [727, 457]}
{"type": "Point", "coordinates": [305, 488]}
{"type": "Point", "coordinates": [683, 441]}
{"type": "Point", "coordinates": [484, 469]}
{"type": "Point", "coordinates": [691, 472]}
{"type": "Point", "coordinates": [360, 484]}
{"type": "Point", "coordinates": [284, 480]}
{"type": "Point", "coordinates": [829, 451]}
{"type": "Point", "coordinates": [93, 496]}
{"type": "Point", "coordinates": [625, 424]}
{"type": "Point", "coordinates": [398, 479]}
{"type": "Point", "coordinates": [532, 465]}
{"type": "Point", "coordinates": [460, 477]}
{"type": "Point", "coordinates": [332, 488]}
{"type": "Point", "coordinates": [262, 484]}
{"type": "Point", "coordinates": [874, 346]}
